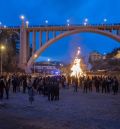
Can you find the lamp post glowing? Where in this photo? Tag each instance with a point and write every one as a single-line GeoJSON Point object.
{"type": "Point", "coordinates": [35, 56]}
{"type": "Point", "coordinates": [22, 17]}
{"type": "Point", "coordinates": [2, 48]}
{"type": "Point", "coordinates": [27, 23]}
{"type": "Point", "coordinates": [5, 26]}
{"type": "Point", "coordinates": [86, 19]}
{"type": "Point", "coordinates": [48, 60]}
{"type": "Point", "coordinates": [68, 22]}
{"type": "Point", "coordinates": [105, 20]}
{"type": "Point", "coordinates": [0, 24]}
{"type": "Point", "coordinates": [46, 22]}
{"type": "Point", "coordinates": [85, 22]}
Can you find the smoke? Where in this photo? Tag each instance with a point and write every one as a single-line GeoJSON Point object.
{"type": "Point", "coordinates": [75, 42]}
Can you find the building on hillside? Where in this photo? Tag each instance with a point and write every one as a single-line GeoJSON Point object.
{"type": "Point", "coordinates": [117, 56]}
{"type": "Point", "coordinates": [95, 56]}
{"type": "Point", "coordinates": [83, 64]}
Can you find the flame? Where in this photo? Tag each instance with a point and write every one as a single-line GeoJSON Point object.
{"type": "Point", "coordinates": [78, 52]}
{"type": "Point", "coordinates": [76, 68]}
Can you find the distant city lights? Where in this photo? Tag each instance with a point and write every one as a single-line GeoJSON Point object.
{"type": "Point", "coordinates": [61, 65]}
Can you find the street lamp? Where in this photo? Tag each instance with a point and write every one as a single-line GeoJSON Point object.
{"type": "Point", "coordinates": [27, 23]}
{"type": "Point", "coordinates": [85, 21]}
{"type": "Point", "coordinates": [22, 17]}
{"type": "Point", "coordinates": [2, 48]}
{"type": "Point", "coordinates": [35, 56]}
{"type": "Point", "coordinates": [68, 22]}
{"type": "Point", "coordinates": [5, 26]}
{"type": "Point", "coordinates": [105, 20]}
{"type": "Point", "coordinates": [46, 21]}
{"type": "Point", "coordinates": [0, 23]}
{"type": "Point", "coordinates": [48, 60]}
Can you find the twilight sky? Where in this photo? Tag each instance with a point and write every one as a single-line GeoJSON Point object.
{"type": "Point", "coordinates": [57, 12]}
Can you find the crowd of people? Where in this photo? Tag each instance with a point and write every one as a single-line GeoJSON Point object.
{"type": "Point", "coordinates": [102, 84]}
{"type": "Point", "coordinates": [49, 86]}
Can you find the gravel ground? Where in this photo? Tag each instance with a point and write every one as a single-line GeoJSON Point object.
{"type": "Point", "coordinates": [73, 111]}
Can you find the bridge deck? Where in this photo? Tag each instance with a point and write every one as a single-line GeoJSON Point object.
{"type": "Point", "coordinates": [63, 27]}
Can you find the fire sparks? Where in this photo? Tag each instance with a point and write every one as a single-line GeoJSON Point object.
{"type": "Point", "coordinates": [76, 68]}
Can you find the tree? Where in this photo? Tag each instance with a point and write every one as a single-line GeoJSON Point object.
{"type": "Point", "coordinates": [9, 39]}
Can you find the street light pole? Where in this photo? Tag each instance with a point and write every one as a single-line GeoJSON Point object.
{"type": "Point", "coordinates": [1, 63]}
{"type": "Point", "coordinates": [34, 57]}
{"type": "Point", "coordinates": [34, 67]}
{"type": "Point", "coordinates": [1, 67]}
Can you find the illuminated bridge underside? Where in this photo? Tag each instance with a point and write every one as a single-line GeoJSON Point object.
{"type": "Point", "coordinates": [81, 30]}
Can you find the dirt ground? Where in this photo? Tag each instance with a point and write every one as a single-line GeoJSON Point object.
{"type": "Point", "coordinates": [72, 111]}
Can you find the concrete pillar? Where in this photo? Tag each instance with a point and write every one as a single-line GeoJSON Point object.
{"type": "Point", "coordinates": [61, 32]}
{"type": "Point", "coordinates": [47, 36]}
{"type": "Point", "coordinates": [118, 32]}
{"type": "Point", "coordinates": [110, 31]}
{"type": "Point", "coordinates": [33, 42]}
{"type": "Point", "coordinates": [40, 39]}
{"type": "Point", "coordinates": [54, 34]}
{"type": "Point", "coordinates": [23, 47]}
{"type": "Point", "coordinates": [28, 45]}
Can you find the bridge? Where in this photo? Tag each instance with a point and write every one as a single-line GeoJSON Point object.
{"type": "Point", "coordinates": [26, 58]}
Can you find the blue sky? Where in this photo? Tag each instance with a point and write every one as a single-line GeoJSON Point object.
{"type": "Point", "coordinates": [57, 12]}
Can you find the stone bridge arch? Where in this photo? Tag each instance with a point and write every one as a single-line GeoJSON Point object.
{"type": "Point", "coordinates": [68, 33]}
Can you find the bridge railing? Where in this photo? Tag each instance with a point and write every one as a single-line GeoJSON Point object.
{"type": "Point", "coordinates": [65, 25]}
{"type": "Point", "coordinates": [62, 25]}
{"type": "Point", "coordinates": [11, 27]}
